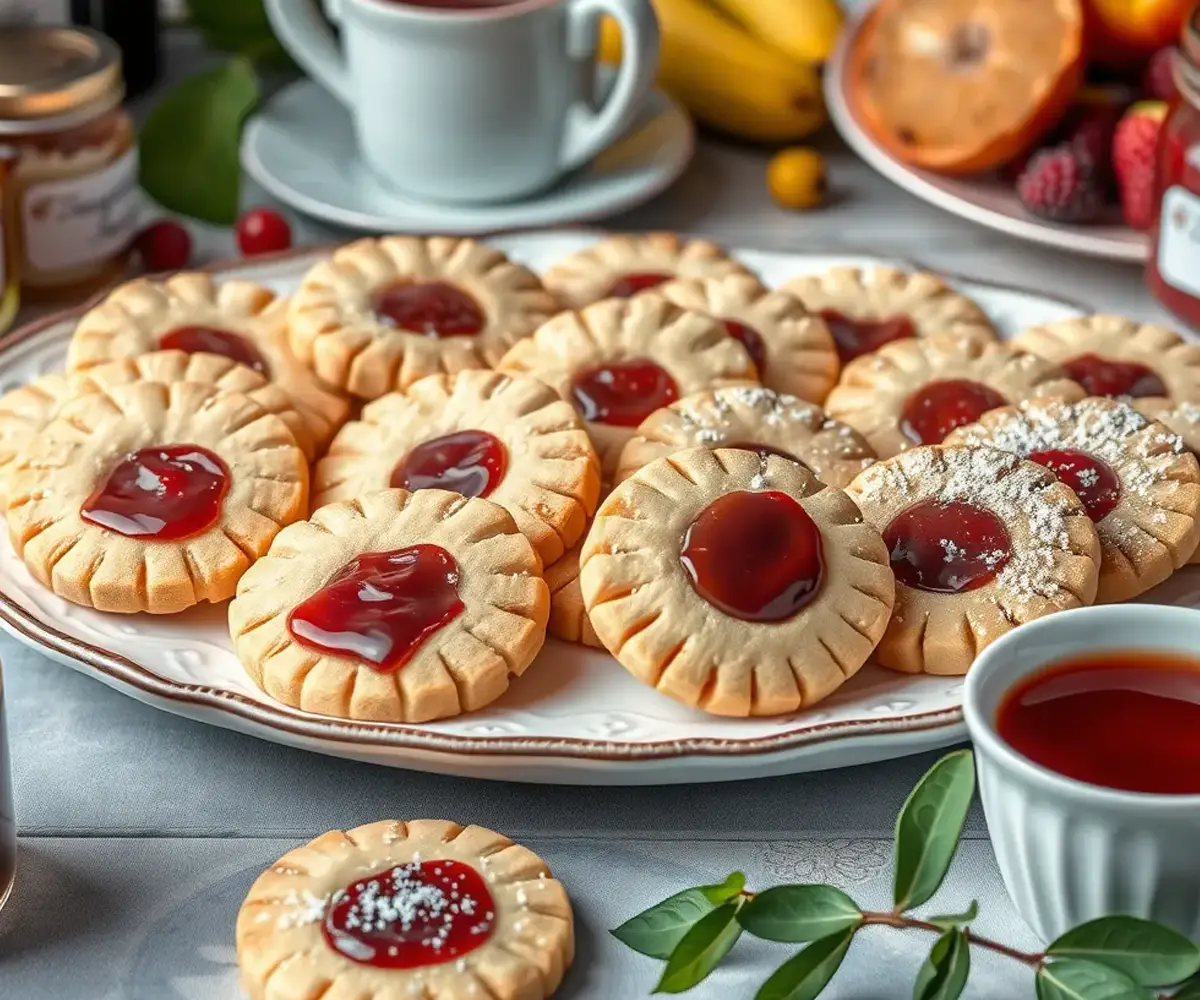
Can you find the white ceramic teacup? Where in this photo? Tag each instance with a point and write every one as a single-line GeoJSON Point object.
{"type": "Point", "coordinates": [480, 104]}
{"type": "Point", "coordinates": [1070, 851]}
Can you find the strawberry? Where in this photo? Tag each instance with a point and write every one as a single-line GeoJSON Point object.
{"type": "Point", "coordinates": [1133, 154]}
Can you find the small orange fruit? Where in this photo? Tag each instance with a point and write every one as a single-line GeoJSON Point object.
{"type": "Point", "coordinates": [796, 178]}
{"type": "Point", "coordinates": [960, 86]}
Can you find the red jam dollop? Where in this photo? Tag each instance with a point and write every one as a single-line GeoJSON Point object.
{"type": "Point", "coordinates": [750, 339]}
{"type": "Point", "coordinates": [936, 409]}
{"type": "Point", "coordinates": [434, 308]}
{"type": "Point", "coordinates": [755, 556]}
{"type": "Point", "coordinates": [856, 337]}
{"type": "Point", "coordinates": [164, 494]}
{"type": "Point", "coordinates": [947, 547]}
{"type": "Point", "coordinates": [622, 393]}
{"type": "Point", "coordinates": [629, 285]}
{"type": "Point", "coordinates": [468, 462]}
{"type": "Point", "coordinates": [416, 914]}
{"type": "Point", "coordinates": [764, 450]}
{"type": "Point", "coordinates": [379, 608]}
{"type": "Point", "coordinates": [1094, 481]}
{"type": "Point", "coordinates": [210, 340]}
{"type": "Point", "coordinates": [1102, 377]}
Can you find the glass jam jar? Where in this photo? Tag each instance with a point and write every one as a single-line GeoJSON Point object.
{"type": "Point", "coordinates": [74, 182]}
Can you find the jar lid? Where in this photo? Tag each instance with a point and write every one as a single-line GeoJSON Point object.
{"type": "Point", "coordinates": [48, 72]}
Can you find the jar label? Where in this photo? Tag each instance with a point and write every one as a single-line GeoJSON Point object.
{"type": "Point", "coordinates": [1179, 240]}
{"type": "Point", "coordinates": [75, 222]}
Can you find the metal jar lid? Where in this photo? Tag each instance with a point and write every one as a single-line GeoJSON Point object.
{"type": "Point", "coordinates": [56, 77]}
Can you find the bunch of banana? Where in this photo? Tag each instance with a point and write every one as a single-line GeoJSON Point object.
{"type": "Point", "coordinates": [750, 68]}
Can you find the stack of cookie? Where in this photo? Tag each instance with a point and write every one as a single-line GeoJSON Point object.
{"type": "Point", "coordinates": [793, 480]}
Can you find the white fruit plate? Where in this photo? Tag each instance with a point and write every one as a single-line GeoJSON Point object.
{"type": "Point", "coordinates": [986, 200]}
{"type": "Point", "coordinates": [576, 716]}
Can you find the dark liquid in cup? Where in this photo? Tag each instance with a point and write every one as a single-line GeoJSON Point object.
{"type": "Point", "coordinates": [8, 819]}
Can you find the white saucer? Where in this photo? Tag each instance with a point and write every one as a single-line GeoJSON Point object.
{"type": "Point", "coordinates": [300, 147]}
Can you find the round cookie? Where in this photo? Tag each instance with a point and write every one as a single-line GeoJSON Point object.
{"type": "Point", "coordinates": [792, 349]}
{"type": "Point", "coordinates": [865, 308]}
{"type": "Point", "coordinates": [624, 265]}
{"type": "Point", "coordinates": [381, 313]}
{"type": "Point", "coordinates": [735, 583]}
{"type": "Point", "coordinates": [1119, 357]}
{"type": "Point", "coordinates": [509, 438]}
{"type": "Point", "coordinates": [1138, 483]}
{"type": "Point", "coordinates": [1182, 419]}
{"type": "Point", "coordinates": [24, 411]}
{"type": "Point", "coordinates": [393, 607]}
{"type": "Point", "coordinates": [153, 497]}
{"type": "Point", "coordinates": [980, 542]}
{"type": "Point", "coordinates": [397, 910]}
{"type": "Point", "coordinates": [914, 392]}
{"type": "Point", "coordinates": [619, 360]}
{"type": "Point", "coordinates": [752, 417]}
{"type": "Point", "coordinates": [568, 617]}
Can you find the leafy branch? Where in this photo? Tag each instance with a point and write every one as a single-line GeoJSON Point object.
{"type": "Point", "coordinates": [1112, 958]}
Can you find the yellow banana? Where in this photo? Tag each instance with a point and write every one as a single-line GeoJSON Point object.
{"type": "Point", "coordinates": [726, 78]}
{"type": "Point", "coordinates": [803, 29]}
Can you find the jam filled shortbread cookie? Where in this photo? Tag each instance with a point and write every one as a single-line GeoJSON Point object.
{"type": "Point", "coordinates": [917, 391]}
{"type": "Point", "coordinates": [734, 582]}
{"type": "Point", "coordinates": [509, 438]}
{"type": "Point", "coordinates": [619, 360]}
{"type": "Point", "coordinates": [393, 607]}
{"type": "Point", "coordinates": [1138, 483]}
{"type": "Point", "coordinates": [382, 313]}
{"type": "Point", "coordinates": [24, 411]}
{"type": "Point", "coordinates": [191, 313]}
{"type": "Point", "coordinates": [980, 542]}
{"type": "Point", "coordinates": [866, 308]}
{"type": "Point", "coordinates": [423, 910]}
{"type": "Point", "coordinates": [791, 348]}
{"type": "Point", "coordinates": [1182, 419]}
{"type": "Point", "coordinates": [153, 497]}
{"type": "Point", "coordinates": [755, 419]}
{"type": "Point", "coordinates": [622, 266]}
{"type": "Point", "coordinates": [1115, 356]}
{"type": "Point", "coordinates": [568, 617]}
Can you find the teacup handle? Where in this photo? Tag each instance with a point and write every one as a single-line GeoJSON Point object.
{"type": "Point", "coordinates": [589, 131]}
{"type": "Point", "coordinates": [310, 41]}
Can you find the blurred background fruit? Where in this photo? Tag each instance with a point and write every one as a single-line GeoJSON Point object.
{"type": "Point", "coordinates": [796, 178]}
{"type": "Point", "coordinates": [1121, 33]}
{"type": "Point", "coordinates": [803, 29]}
{"type": "Point", "coordinates": [1134, 152]}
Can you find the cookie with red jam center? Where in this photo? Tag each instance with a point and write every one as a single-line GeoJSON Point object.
{"type": "Point", "coordinates": [1138, 482]}
{"type": "Point", "coordinates": [424, 908]}
{"type": "Point", "coordinates": [980, 542]}
{"type": "Point", "coordinates": [395, 606]}
{"type": "Point", "coordinates": [735, 582]}
{"type": "Point", "coordinates": [1179, 418]}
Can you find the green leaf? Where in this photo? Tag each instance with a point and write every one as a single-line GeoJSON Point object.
{"type": "Point", "coordinates": [944, 973]}
{"type": "Point", "coordinates": [1148, 953]}
{"type": "Point", "coordinates": [806, 974]}
{"type": "Point", "coordinates": [702, 947]}
{"type": "Point", "coordinates": [731, 888]}
{"type": "Point", "coordinates": [794, 913]}
{"type": "Point", "coordinates": [189, 145]}
{"type": "Point", "coordinates": [928, 828]}
{"type": "Point", "coordinates": [656, 931]}
{"type": "Point", "coordinates": [1078, 979]}
{"type": "Point", "coordinates": [947, 920]}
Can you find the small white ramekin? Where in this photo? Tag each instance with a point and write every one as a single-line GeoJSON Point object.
{"type": "Point", "coordinates": [1070, 851]}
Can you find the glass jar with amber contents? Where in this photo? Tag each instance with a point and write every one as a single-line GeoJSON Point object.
{"type": "Point", "coordinates": [74, 181]}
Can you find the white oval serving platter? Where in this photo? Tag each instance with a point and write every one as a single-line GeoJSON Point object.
{"type": "Point", "coordinates": [576, 716]}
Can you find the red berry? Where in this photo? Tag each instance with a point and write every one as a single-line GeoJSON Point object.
{"type": "Point", "coordinates": [1158, 80]}
{"type": "Point", "coordinates": [1060, 184]}
{"type": "Point", "coordinates": [262, 230]}
{"type": "Point", "coordinates": [164, 246]}
{"type": "Point", "coordinates": [1134, 148]}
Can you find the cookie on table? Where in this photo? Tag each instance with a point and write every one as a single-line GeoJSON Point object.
{"type": "Point", "coordinates": [381, 313]}
{"type": "Point", "coordinates": [24, 411]}
{"type": "Point", "coordinates": [621, 359]}
{"type": "Point", "coordinates": [153, 497]}
{"type": "Point", "coordinates": [1179, 418]}
{"type": "Point", "coordinates": [191, 312]}
{"type": "Point", "coordinates": [394, 909]}
{"type": "Point", "coordinates": [1119, 357]}
{"type": "Point", "coordinates": [980, 541]}
{"type": "Point", "coordinates": [1138, 483]}
{"type": "Point", "coordinates": [393, 607]}
{"type": "Point", "coordinates": [791, 347]}
{"type": "Point", "coordinates": [508, 438]}
{"type": "Point", "coordinates": [621, 266]}
{"type": "Point", "coordinates": [734, 582]}
{"type": "Point", "coordinates": [568, 617]}
{"type": "Point", "coordinates": [865, 308]}
{"type": "Point", "coordinates": [915, 392]}
{"type": "Point", "coordinates": [754, 418]}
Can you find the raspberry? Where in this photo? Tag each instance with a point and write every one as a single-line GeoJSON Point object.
{"type": "Point", "coordinates": [1134, 147]}
{"type": "Point", "coordinates": [1060, 184]}
{"type": "Point", "coordinates": [1158, 80]}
